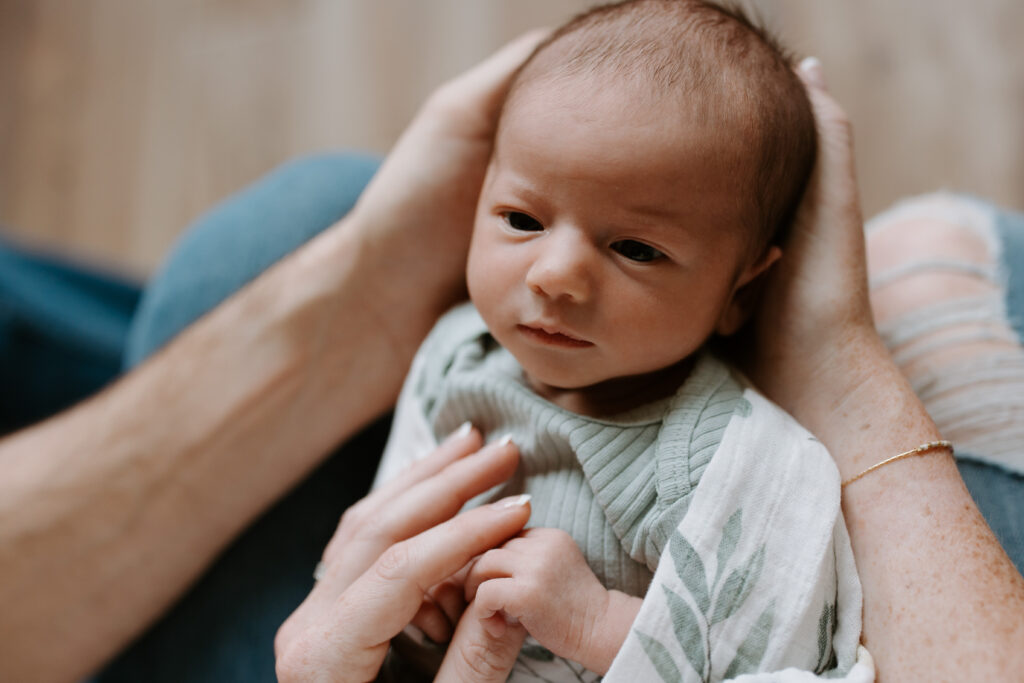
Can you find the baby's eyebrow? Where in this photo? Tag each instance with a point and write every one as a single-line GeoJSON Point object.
{"type": "Point", "coordinates": [651, 211]}
{"type": "Point", "coordinates": [522, 188]}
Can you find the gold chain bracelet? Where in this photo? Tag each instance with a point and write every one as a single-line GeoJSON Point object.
{"type": "Point", "coordinates": [920, 450]}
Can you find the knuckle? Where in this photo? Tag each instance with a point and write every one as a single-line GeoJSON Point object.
{"type": "Point", "coordinates": [840, 117]}
{"type": "Point", "coordinates": [488, 559]}
{"type": "Point", "coordinates": [394, 562]}
{"type": "Point", "coordinates": [844, 125]}
{"type": "Point", "coordinates": [359, 522]}
{"type": "Point", "coordinates": [483, 660]}
{"type": "Point", "coordinates": [290, 664]}
{"type": "Point", "coordinates": [561, 538]}
{"type": "Point", "coordinates": [352, 518]}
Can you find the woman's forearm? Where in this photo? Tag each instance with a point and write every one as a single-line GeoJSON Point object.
{"type": "Point", "coordinates": [942, 599]}
{"type": "Point", "coordinates": [109, 511]}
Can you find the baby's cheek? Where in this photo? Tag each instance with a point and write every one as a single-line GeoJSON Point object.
{"type": "Point", "coordinates": [488, 278]}
{"type": "Point", "coordinates": [475, 282]}
{"type": "Point", "coordinates": [478, 284]}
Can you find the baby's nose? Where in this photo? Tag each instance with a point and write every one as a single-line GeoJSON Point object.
{"type": "Point", "coordinates": [564, 269]}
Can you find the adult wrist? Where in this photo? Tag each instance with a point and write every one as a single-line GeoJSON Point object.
{"type": "Point", "coordinates": [423, 266]}
{"type": "Point", "coordinates": [861, 406]}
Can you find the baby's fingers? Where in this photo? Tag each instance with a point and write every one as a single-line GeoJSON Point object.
{"type": "Point", "coordinates": [493, 564]}
{"type": "Point", "coordinates": [497, 602]}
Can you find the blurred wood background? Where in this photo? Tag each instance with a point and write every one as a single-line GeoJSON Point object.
{"type": "Point", "coordinates": [121, 120]}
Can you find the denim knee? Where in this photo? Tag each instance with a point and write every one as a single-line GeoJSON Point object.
{"type": "Point", "coordinates": [240, 238]}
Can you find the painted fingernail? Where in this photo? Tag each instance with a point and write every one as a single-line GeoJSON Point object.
{"type": "Point", "coordinates": [505, 440]}
{"type": "Point", "coordinates": [811, 67]}
{"type": "Point", "coordinates": [514, 501]}
{"type": "Point", "coordinates": [464, 429]}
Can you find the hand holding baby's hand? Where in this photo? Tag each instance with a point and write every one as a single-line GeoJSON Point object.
{"type": "Point", "coordinates": [541, 580]}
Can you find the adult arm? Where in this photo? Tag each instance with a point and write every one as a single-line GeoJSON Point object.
{"type": "Point", "coordinates": [941, 598]}
{"type": "Point", "coordinates": [109, 511]}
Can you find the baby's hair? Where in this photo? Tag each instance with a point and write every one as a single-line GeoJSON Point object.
{"type": "Point", "coordinates": [722, 66]}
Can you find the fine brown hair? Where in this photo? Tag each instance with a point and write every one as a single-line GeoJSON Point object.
{"type": "Point", "coordinates": [722, 66]}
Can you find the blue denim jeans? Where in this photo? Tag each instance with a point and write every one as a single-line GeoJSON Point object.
{"type": "Point", "coordinates": [222, 630]}
{"type": "Point", "coordinates": [999, 493]}
{"type": "Point", "coordinates": [62, 331]}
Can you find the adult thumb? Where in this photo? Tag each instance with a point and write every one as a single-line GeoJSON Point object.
{"type": "Point", "coordinates": [476, 656]}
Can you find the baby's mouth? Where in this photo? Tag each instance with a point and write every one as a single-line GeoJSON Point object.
{"type": "Point", "coordinates": [552, 337]}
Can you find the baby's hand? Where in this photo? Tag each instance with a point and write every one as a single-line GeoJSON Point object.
{"type": "Point", "coordinates": [540, 580]}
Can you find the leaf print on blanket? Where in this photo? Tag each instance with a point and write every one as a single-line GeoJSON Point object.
{"type": "Point", "coordinates": [826, 629]}
{"type": "Point", "coordinates": [709, 606]}
{"type": "Point", "coordinates": [537, 664]}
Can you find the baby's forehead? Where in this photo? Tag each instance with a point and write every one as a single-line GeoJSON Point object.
{"type": "Point", "coordinates": [708, 127]}
{"type": "Point", "coordinates": [558, 77]}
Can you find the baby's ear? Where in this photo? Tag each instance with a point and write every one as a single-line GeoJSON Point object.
{"type": "Point", "coordinates": [745, 293]}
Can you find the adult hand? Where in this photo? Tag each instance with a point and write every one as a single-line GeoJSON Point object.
{"type": "Point", "coordinates": [427, 188]}
{"type": "Point", "coordinates": [389, 550]}
{"type": "Point", "coordinates": [815, 306]}
{"type": "Point", "coordinates": [817, 354]}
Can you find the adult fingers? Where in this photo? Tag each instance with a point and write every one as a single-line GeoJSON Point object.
{"type": "Point", "coordinates": [386, 597]}
{"type": "Point", "coordinates": [477, 656]}
{"type": "Point", "coordinates": [832, 197]}
{"type": "Point", "coordinates": [830, 222]}
{"type": "Point", "coordinates": [815, 299]}
{"type": "Point", "coordinates": [433, 622]}
{"type": "Point", "coordinates": [460, 443]}
{"type": "Point", "coordinates": [353, 635]}
{"type": "Point", "coordinates": [482, 88]}
{"type": "Point", "coordinates": [366, 530]}
{"type": "Point", "coordinates": [441, 610]}
{"type": "Point", "coordinates": [437, 498]}
{"type": "Point", "coordinates": [448, 596]}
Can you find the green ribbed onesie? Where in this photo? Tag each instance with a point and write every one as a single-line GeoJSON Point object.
{"type": "Point", "coordinates": [619, 486]}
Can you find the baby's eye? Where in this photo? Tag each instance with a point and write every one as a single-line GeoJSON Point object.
{"type": "Point", "coordinates": [637, 251]}
{"type": "Point", "coordinates": [521, 221]}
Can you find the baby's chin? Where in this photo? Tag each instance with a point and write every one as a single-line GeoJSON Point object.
{"type": "Point", "coordinates": [545, 381]}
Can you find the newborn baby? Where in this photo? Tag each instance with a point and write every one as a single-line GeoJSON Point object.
{"type": "Point", "coordinates": [650, 155]}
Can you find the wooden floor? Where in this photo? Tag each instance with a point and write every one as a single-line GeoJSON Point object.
{"type": "Point", "coordinates": [121, 120]}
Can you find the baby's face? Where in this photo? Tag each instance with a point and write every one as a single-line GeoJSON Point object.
{"type": "Point", "coordinates": [607, 242]}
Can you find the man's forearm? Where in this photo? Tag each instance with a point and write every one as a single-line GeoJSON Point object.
{"type": "Point", "coordinates": [109, 511]}
{"type": "Point", "coordinates": [942, 599]}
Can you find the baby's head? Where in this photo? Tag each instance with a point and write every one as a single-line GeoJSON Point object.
{"type": "Point", "coordinates": [648, 157]}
